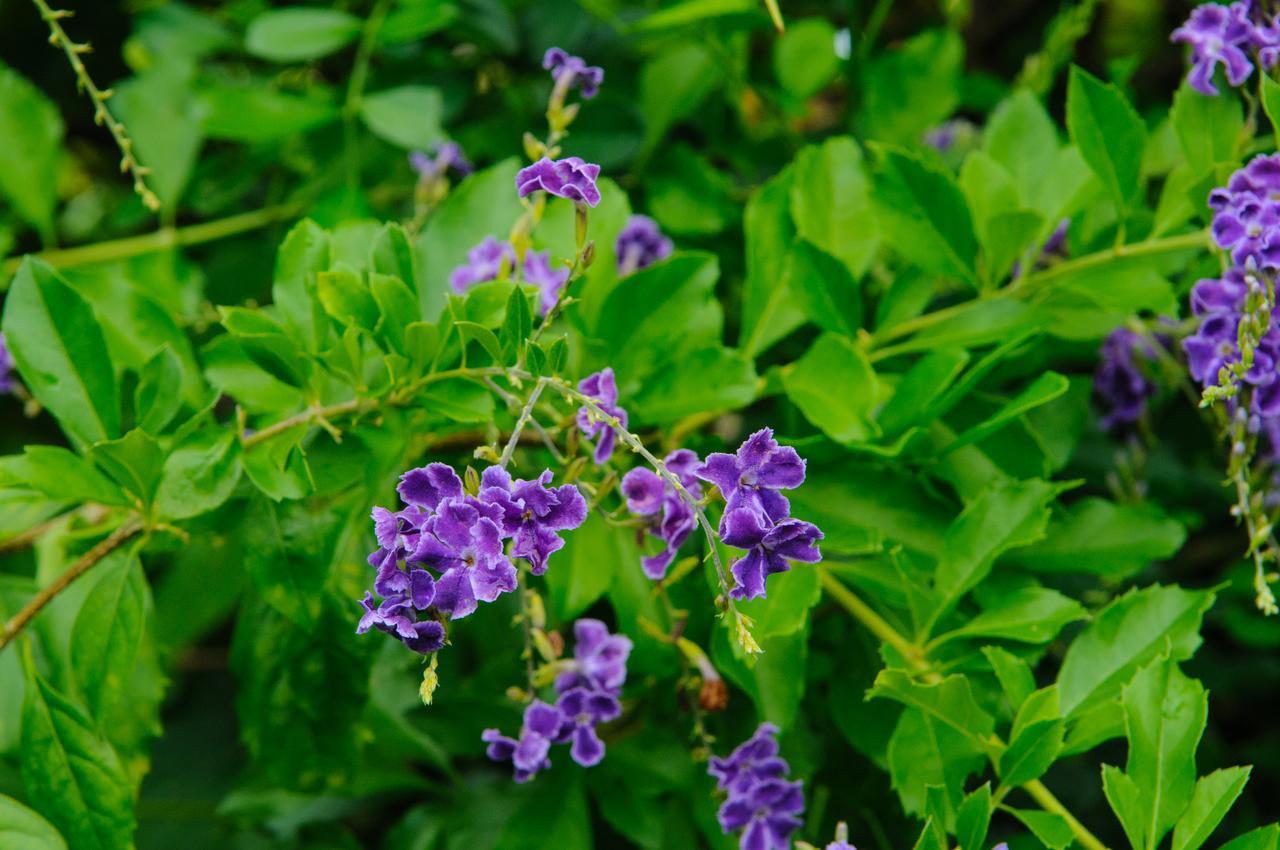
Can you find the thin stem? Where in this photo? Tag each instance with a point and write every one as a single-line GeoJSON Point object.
{"type": "Point", "coordinates": [355, 90]}
{"type": "Point", "coordinates": [521, 422]}
{"type": "Point", "coordinates": [101, 114]}
{"type": "Point", "coordinates": [47, 594]}
{"type": "Point", "coordinates": [878, 626]}
{"type": "Point", "coordinates": [527, 630]}
{"type": "Point", "coordinates": [26, 538]}
{"type": "Point", "coordinates": [163, 239]}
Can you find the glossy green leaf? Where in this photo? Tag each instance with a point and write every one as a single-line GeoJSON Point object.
{"type": "Point", "coordinates": [1208, 128]}
{"type": "Point", "coordinates": [924, 215]}
{"type": "Point", "coordinates": [831, 205]}
{"type": "Point", "coordinates": [23, 829]}
{"type": "Point", "coordinates": [166, 125]}
{"type": "Point", "coordinates": [1036, 739]}
{"type": "Point", "coordinates": [1108, 133]}
{"type": "Point", "coordinates": [1126, 801]}
{"type": "Point", "coordinates": [845, 416]}
{"type": "Point", "coordinates": [1104, 538]}
{"type": "Point", "coordinates": [973, 818]}
{"type": "Point", "coordinates": [1026, 615]}
{"type": "Point", "coordinates": [108, 631]}
{"type": "Point", "coordinates": [157, 397]}
{"type": "Point", "coordinates": [408, 116]}
{"type": "Point", "coordinates": [1013, 673]}
{"type": "Point", "coordinates": [61, 355]}
{"type": "Point", "coordinates": [32, 130]}
{"type": "Point", "coordinates": [60, 474]}
{"type": "Point", "coordinates": [1214, 796]}
{"type": "Point", "coordinates": [1051, 829]}
{"type": "Point", "coordinates": [300, 34]}
{"type": "Point", "coordinates": [287, 555]}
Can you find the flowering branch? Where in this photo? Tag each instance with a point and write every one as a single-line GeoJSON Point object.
{"type": "Point", "coordinates": [47, 594]}
{"type": "Point", "coordinates": [101, 114]}
{"type": "Point", "coordinates": [915, 659]}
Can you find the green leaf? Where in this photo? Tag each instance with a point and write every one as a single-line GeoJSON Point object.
{"type": "Point", "coordinates": [1214, 796]}
{"type": "Point", "coordinates": [157, 397]}
{"type": "Point", "coordinates": [786, 610]}
{"type": "Point", "coordinates": [1207, 127]}
{"type": "Point", "coordinates": [199, 475]}
{"type": "Point", "coordinates": [1022, 137]}
{"type": "Point", "coordinates": [70, 772]}
{"type": "Point", "coordinates": [1044, 389]}
{"type": "Point", "coordinates": [949, 701]}
{"type": "Point", "coordinates": [32, 131]}
{"type": "Point", "coordinates": [1126, 801]}
{"type": "Point", "coordinates": [392, 253]}
{"type": "Point", "coordinates": [973, 817]}
{"type": "Point", "coordinates": [1126, 635]}
{"type": "Point", "coordinates": [60, 474]}
{"type": "Point", "coordinates": [1026, 615]}
{"type": "Point", "coordinates": [299, 34]}
{"type": "Point", "coordinates": [912, 87]}
{"type": "Point", "coordinates": [408, 116]}
{"type": "Point", "coordinates": [775, 681]}
{"type": "Point", "coordinates": [924, 215]}
{"type": "Point", "coordinates": [55, 339]}
{"type": "Point", "coordinates": [1104, 538]}
{"type": "Point", "coordinates": [831, 204]}
{"type": "Point", "coordinates": [824, 288]}
{"type": "Point", "coordinates": [1108, 133]}
{"type": "Point", "coordinates": [459, 400]}
{"type": "Point", "coordinates": [304, 253]}
{"type": "Point", "coordinates": [804, 57]}
{"type": "Point", "coordinates": [585, 570]}
{"type": "Point", "coordinates": [1013, 673]}
{"type": "Point", "coordinates": [23, 829]}
{"type": "Point", "coordinates": [710, 379]}
{"type": "Point", "coordinates": [166, 125]}
{"type": "Point", "coordinates": [267, 344]}
{"type": "Point", "coordinates": [288, 550]}
{"type": "Point", "coordinates": [919, 388]}
{"type": "Point", "coordinates": [1103, 722]}
{"type": "Point", "coordinates": [1051, 829]}
{"type": "Point", "coordinates": [924, 751]}
{"type": "Point", "coordinates": [929, 839]}
{"type": "Point", "coordinates": [255, 114]}
{"type": "Point", "coordinates": [1002, 518]}
{"type": "Point", "coordinates": [1271, 101]}
{"type": "Point", "coordinates": [413, 21]}
{"type": "Point", "coordinates": [346, 297]}
{"type": "Point", "coordinates": [1036, 739]}
{"type": "Point", "coordinates": [279, 468]}
{"type": "Point", "coordinates": [843, 416]}
{"type": "Point", "coordinates": [769, 312]}
{"type": "Point", "coordinates": [135, 462]}
{"type": "Point", "coordinates": [397, 308]}
{"type": "Point", "coordinates": [556, 808]}
{"type": "Point", "coordinates": [518, 323]}
{"type": "Point", "coordinates": [108, 631]}
{"type": "Point", "coordinates": [1165, 714]}
{"type": "Point", "coordinates": [1262, 838]}
{"type": "Point", "coordinates": [674, 83]}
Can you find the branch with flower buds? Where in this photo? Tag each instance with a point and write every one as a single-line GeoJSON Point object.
{"type": "Point", "coordinates": [101, 114]}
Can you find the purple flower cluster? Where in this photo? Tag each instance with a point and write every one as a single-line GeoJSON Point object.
{"type": "Point", "coordinates": [757, 516]}
{"type": "Point", "coordinates": [492, 259]}
{"type": "Point", "coordinates": [1224, 35]}
{"type": "Point", "coordinates": [640, 244]}
{"type": "Point", "coordinates": [761, 803]}
{"type": "Point", "coordinates": [444, 156]}
{"type": "Point", "coordinates": [1246, 217]}
{"type": "Point", "coordinates": [446, 549]}
{"type": "Point", "coordinates": [603, 388]}
{"type": "Point", "coordinates": [6, 367]}
{"type": "Point", "coordinates": [571, 178]}
{"type": "Point", "coordinates": [1120, 382]}
{"type": "Point", "coordinates": [588, 694]}
{"type": "Point", "coordinates": [671, 519]}
{"type": "Point", "coordinates": [569, 71]}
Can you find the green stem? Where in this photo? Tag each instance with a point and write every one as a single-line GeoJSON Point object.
{"type": "Point", "coordinates": [355, 91]}
{"type": "Point", "coordinates": [160, 240]}
{"type": "Point", "coordinates": [881, 628]}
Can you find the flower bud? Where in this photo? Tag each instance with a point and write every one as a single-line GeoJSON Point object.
{"type": "Point", "coordinates": [714, 695]}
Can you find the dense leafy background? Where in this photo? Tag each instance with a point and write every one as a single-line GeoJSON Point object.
{"type": "Point", "coordinates": [959, 472]}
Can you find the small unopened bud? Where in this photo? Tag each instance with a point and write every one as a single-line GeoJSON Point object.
{"type": "Point", "coordinates": [430, 681]}
{"type": "Point", "coordinates": [516, 694]}
{"type": "Point", "coordinates": [542, 643]}
{"type": "Point", "coordinates": [589, 254]}
{"type": "Point", "coordinates": [535, 610]}
{"type": "Point", "coordinates": [557, 643]}
{"type": "Point", "coordinates": [533, 148]}
{"type": "Point", "coordinates": [580, 225]}
{"type": "Point", "coordinates": [471, 480]}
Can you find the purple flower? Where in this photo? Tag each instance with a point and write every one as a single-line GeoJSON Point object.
{"type": "Point", "coordinates": [484, 262]}
{"type": "Point", "coordinates": [755, 760]}
{"type": "Point", "coordinates": [6, 367]}
{"type": "Point", "coordinates": [570, 178]}
{"type": "Point", "coordinates": [1119, 380]}
{"type": "Point", "coordinates": [528, 754]}
{"type": "Point", "coordinates": [394, 615]}
{"type": "Point", "coordinates": [766, 815]}
{"type": "Point", "coordinates": [842, 839]}
{"type": "Point", "coordinates": [1246, 219]}
{"type": "Point", "coordinates": [466, 547]}
{"type": "Point", "coordinates": [602, 387]}
{"type": "Point", "coordinates": [569, 70]}
{"type": "Point", "coordinates": [640, 244]}
{"type": "Point", "coordinates": [1217, 295]}
{"type": "Point", "coordinates": [1218, 35]}
{"type": "Point", "coordinates": [671, 517]}
{"type": "Point", "coordinates": [532, 513]}
{"type": "Point", "coordinates": [599, 658]}
{"type": "Point", "coordinates": [770, 548]}
{"type": "Point", "coordinates": [549, 281]}
{"type": "Point", "coordinates": [447, 155]}
{"type": "Point", "coordinates": [753, 476]}
{"type": "Point", "coordinates": [582, 709]}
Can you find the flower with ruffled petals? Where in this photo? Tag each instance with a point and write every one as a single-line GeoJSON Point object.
{"type": "Point", "coordinates": [571, 178]}
{"type": "Point", "coordinates": [1218, 35]}
{"type": "Point", "coordinates": [753, 761]}
{"type": "Point", "coordinates": [770, 548]}
{"type": "Point", "coordinates": [599, 658]}
{"type": "Point", "coordinates": [537, 271]}
{"type": "Point", "coordinates": [672, 520]}
{"type": "Point", "coordinates": [394, 615]}
{"type": "Point", "coordinates": [528, 753]}
{"type": "Point", "coordinates": [532, 513]}
{"type": "Point", "coordinates": [767, 815]}
{"type": "Point", "coordinates": [568, 71]}
{"type": "Point", "coordinates": [485, 261]}
{"type": "Point", "coordinates": [601, 387]}
{"type": "Point", "coordinates": [466, 547]}
{"type": "Point", "coordinates": [753, 476]}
